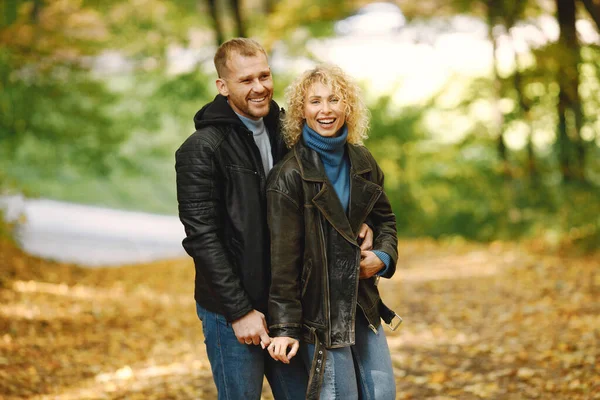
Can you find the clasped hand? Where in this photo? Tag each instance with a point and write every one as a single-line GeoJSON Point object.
{"type": "Point", "coordinates": [279, 346]}
{"type": "Point", "coordinates": [252, 329]}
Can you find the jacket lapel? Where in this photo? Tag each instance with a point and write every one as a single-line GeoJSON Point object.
{"type": "Point", "coordinates": [330, 206]}
{"type": "Point", "coordinates": [363, 193]}
{"type": "Point", "coordinates": [326, 200]}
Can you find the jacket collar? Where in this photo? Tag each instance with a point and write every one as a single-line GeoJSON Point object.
{"type": "Point", "coordinates": [220, 112]}
{"type": "Point", "coordinates": [312, 169]}
{"type": "Point", "coordinates": [363, 192]}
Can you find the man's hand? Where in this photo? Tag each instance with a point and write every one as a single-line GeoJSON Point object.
{"type": "Point", "coordinates": [370, 264]}
{"type": "Point", "coordinates": [365, 237]}
{"type": "Point", "coordinates": [252, 329]}
{"type": "Point", "coordinates": [278, 348]}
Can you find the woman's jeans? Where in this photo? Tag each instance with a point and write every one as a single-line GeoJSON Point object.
{"type": "Point", "coordinates": [363, 370]}
{"type": "Point", "coordinates": [238, 369]}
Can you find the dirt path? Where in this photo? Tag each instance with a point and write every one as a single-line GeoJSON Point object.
{"type": "Point", "coordinates": [490, 321]}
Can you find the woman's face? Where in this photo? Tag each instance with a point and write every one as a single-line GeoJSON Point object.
{"type": "Point", "coordinates": [323, 110]}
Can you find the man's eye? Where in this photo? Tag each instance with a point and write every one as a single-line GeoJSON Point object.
{"type": "Point", "coordinates": [264, 77]}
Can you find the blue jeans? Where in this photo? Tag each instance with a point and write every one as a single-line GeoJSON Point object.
{"type": "Point", "coordinates": [238, 369]}
{"type": "Point", "coordinates": [362, 371]}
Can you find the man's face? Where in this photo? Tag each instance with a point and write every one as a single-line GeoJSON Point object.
{"type": "Point", "coordinates": [248, 85]}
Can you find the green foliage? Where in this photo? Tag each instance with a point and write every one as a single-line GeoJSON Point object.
{"type": "Point", "coordinates": [51, 122]}
{"type": "Point", "coordinates": [130, 159]}
{"type": "Point", "coordinates": [75, 133]}
{"type": "Point", "coordinates": [443, 190]}
{"type": "Point", "coordinates": [392, 139]}
{"type": "Point", "coordinates": [71, 130]}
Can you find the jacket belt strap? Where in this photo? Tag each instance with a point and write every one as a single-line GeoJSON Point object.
{"type": "Point", "coordinates": [315, 379]}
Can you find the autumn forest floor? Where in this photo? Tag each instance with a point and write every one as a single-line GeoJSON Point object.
{"type": "Point", "coordinates": [497, 321]}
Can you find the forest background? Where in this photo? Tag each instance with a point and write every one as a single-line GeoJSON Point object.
{"type": "Point", "coordinates": [94, 102]}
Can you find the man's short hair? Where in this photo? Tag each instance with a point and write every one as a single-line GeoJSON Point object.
{"type": "Point", "coordinates": [242, 46]}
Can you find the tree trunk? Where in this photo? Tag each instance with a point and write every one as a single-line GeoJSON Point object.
{"type": "Point", "coordinates": [569, 103]}
{"type": "Point", "coordinates": [35, 10]}
{"type": "Point", "coordinates": [237, 13]}
{"type": "Point", "coordinates": [563, 142]}
{"type": "Point", "coordinates": [214, 15]}
{"type": "Point", "coordinates": [525, 107]}
{"type": "Point", "coordinates": [497, 94]}
{"type": "Point", "coordinates": [269, 6]}
{"type": "Point", "coordinates": [593, 8]}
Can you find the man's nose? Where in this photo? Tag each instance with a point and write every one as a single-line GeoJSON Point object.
{"type": "Point", "coordinates": [257, 86]}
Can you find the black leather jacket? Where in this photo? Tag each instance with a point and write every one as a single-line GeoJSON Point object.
{"type": "Point", "coordinates": [315, 257]}
{"type": "Point", "coordinates": [221, 194]}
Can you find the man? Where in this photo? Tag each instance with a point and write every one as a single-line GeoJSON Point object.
{"type": "Point", "coordinates": [221, 176]}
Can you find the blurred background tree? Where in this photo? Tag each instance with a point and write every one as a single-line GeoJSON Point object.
{"type": "Point", "coordinates": [97, 95]}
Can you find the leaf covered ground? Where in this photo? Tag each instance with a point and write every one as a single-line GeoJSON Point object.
{"type": "Point", "coordinates": [497, 321]}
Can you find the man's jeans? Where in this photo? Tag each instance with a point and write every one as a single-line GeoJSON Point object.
{"type": "Point", "coordinates": [238, 369]}
{"type": "Point", "coordinates": [362, 371]}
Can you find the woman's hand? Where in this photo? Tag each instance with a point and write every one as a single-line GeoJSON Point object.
{"type": "Point", "coordinates": [278, 348]}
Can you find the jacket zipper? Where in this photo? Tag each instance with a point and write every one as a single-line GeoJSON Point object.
{"type": "Point", "coordinates": [327, 297]}
{"type": "Point", "coordinates": [371, 326]}
{"type": "Point", "coordinates": [257, 161]}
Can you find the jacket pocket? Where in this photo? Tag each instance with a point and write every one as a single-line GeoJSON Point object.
{"type": "Point", "coordinates": [239, 168]}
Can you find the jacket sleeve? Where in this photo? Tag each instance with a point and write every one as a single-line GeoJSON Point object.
{"type": "Point", "coordinates": [383, 221]}
{"type": "Point", "coordinates": [286, 227]}
{"type": "Point", "coordinates": [200, 211]}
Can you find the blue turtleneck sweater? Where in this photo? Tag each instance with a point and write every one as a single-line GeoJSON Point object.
{"type": "Point", "coordinates": [332, 151]}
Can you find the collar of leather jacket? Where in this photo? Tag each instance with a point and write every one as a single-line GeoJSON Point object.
{"type": "Point", "coordinates": [364, 192]}
{"type": "Point", "coordinates": [220, 112]}
{"type": "Point", "coordinates": [311, 166]}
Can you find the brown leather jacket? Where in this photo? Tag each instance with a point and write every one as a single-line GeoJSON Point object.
{"type": "Point", "coordinates": [315, 285]}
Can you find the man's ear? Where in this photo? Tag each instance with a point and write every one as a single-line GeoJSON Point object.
{"type": "Point", "coordinates": [222, 87]}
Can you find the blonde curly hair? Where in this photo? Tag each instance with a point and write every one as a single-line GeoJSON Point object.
{"type": "Point", "coordinates": [356, 112]}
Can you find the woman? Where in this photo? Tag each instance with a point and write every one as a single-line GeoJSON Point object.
{"type": "Point", "coordinates": [323, 288]}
